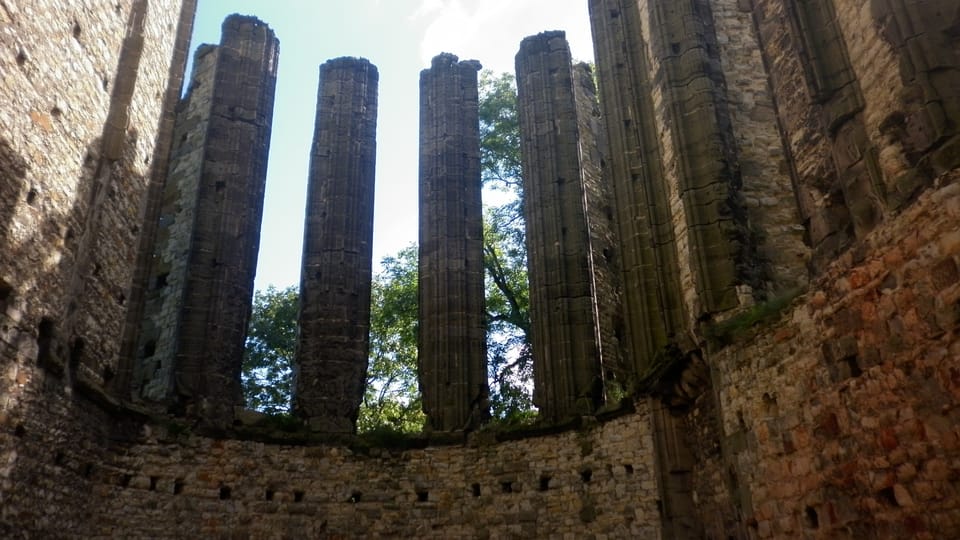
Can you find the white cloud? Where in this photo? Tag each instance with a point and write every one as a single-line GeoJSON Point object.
{"type": "Point", "coordinates": [491, 30]}
{"type": "Point", "coordinates": [426, 8]}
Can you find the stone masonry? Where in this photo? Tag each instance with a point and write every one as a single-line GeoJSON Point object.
{"type": "Point", "coordinates": [337, 254]}
{"type": "Point", "coordinates": [452, 345]}
{"type": "Point", "coordinates": [786, 187]}
{"type": "Point", "coordinates": [208, 238]}
{"type": "Point", "coordinates": [564, 310]}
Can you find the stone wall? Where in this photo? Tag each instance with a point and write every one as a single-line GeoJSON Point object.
{"type": "Point", "coordinates": [596, 480]}
{"type": "Point", "coordinates": [838, 417]}
{"type": "Point", "coordinates": [334, 321]}
{"type": "Point", "coordinates": [84, 120]}
{"type": "Point", "coordinates": [154, 364]}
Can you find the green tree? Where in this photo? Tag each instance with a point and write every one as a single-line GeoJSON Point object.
{"type": "Point", "coordinates": [505, 256]}
{"type": "Point", "coordinates": [392, 398]}
{"type": "Point", "coordinates": [270, 347]}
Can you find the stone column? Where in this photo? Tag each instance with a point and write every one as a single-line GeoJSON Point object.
{"type": "Point", "coordinates": [561, 181]}
{"type": "Point", "coordinates": [648, 259]}
{"type": "Point", "coordinates": [337, 248]}
{"type": "Point", "coordinates": [452, 344]}
{"type": "Point", "coordinates": [201, 285]}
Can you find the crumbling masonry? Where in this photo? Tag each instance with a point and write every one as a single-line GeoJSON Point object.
{"type": "Point", "coordinates": [778, 299]}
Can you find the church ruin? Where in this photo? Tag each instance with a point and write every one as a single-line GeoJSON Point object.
{"type": "Point", "coordinates": [750, 224]}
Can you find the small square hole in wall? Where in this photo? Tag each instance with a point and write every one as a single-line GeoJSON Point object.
{"type": "Point", "coordinates": [628, 469]}
{"type": "Point", "coordinates": [544, 483]}
{"type": "Point", "coordinates": [475, 488]}
{"type": "Point", "coordinates": [153, 483]}
{"type": "Point", "coordinates": [224, 493]}
{"type": "Point", "coordinates": [423, 496]}
{"type": "Point", "coordinates": [268, 495]}
{"type": "Point", "coordinates": [19, 431]}
{"type": "Point", "coordinates": [178, 486]}
{"type": "Point", "coordinates": [506, 487]}
{"type": "Point", "coordinates": [87, 470]}
{"type": "Point", "coordinates": [298, 496]}
{"type": "Point", "coordinates": [355, 497]}
{"type": "Point", "coordinates": [586, 475]}
{"type": "Point", "coordinates": [125, 480]}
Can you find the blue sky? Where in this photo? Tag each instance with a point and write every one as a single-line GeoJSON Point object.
{"type": "Point", "coordinates": [399, 37]}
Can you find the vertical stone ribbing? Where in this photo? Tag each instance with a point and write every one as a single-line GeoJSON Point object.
{"type": "Point", "coordinates": [337, 249]}
{"type": "Point", "coordinates": [209, 229]}
{"type": "Point", "coordinates": [451, 341]}
{"type": "Point", "coordinates": [672, 172]}
{"type": "Point", "coordinates": [122, 385]}
{"type": "Point", "coordinates": [701, 156]}
{"type": "Point", "coordinates": [563, 314]}
{"type": "Point", "coordinates": [601, 227]}
{"type": "Point", "coordinates": [652, 301]}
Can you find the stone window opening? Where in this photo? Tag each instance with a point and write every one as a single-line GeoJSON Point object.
{"type": "Point", "coordinates": [475, 489]}
{"type": "Point", "coordinates": [268, 495]}
{"type": "Point", "coordinates": [178, 486]}
{"type": "Point", "coordinates": [225, 493]}
{"type": "Point", "coordinates": [423, 495]}
{"type": "Point", "coordinates": [355, 497]}
{"type": "Point", "coordinates": [298, 496]}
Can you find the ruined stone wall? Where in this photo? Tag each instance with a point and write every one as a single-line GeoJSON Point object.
{"type": "Point", "coordinates": [595, 480]}
{"type": "Point", "coordinates": [225, 235]}
{"type": "Point", "coordinates": [154, 366]}
{"type": "Point", "coordinates": [839, 416]}
{"type": "Point", "coordinates": [452, 356]}
{"type": "Point", "coordinates": [769, 199]}
{"type": "Point", "coordinates": [83, 123]}
{"type": "Point", "coordinates": [334, 320]}
{"type": "Point", "coordinates": [73, 201]}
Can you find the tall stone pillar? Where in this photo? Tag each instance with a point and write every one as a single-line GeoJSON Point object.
{"type": "Point", "coordinates": [452, 344]}
{"type": "Point", "coordinates": [566, 230]}
{"type": "Point", "coordinates": [337, 248]}
{"type": "Point", "coordinates": [652, 299]}
{"type": "Point", "coordinates": [205, 256]}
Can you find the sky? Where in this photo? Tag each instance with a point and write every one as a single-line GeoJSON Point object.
{"type": "Point", "coordinates": [399, 37]}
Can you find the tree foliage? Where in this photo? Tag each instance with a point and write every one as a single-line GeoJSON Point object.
{"type": "Point", "coordinates": [392, 398]}
{"type": "Point", "coordinates": [270, 347]}
{"type": "Point", "coordinates": [505, 255]}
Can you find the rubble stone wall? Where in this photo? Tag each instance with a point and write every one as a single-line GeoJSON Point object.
{"type": "Point", "coordinates": [838, 418]}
